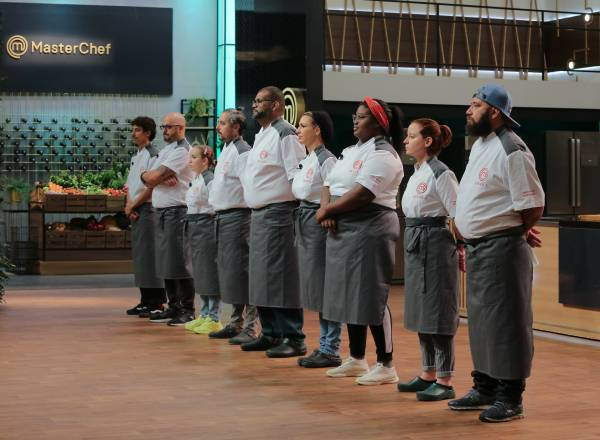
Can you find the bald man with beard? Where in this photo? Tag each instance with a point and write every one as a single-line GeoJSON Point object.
{"type": "Point", "coordinates": [170, 179]}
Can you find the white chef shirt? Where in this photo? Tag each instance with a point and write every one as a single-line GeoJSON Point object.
{"type": "Point", "coordinates": [312, 173]}
{"type": "Point", "coordinates": [227, 191]}
{"type": "Point", "coordinates": [142, 160]}
{"type": "Point", "coordinates": [174, 156]}
{"type": "Point", "coordinates": [430, 191]}
{"type": "Point", "coordinates": [500, 179]}
{"type": "Point", "coordinates": [272, 163]}
{"type": "Point", "coordinates": [197, 195]}
{"type": "Point", "coordinates": [373, 164]}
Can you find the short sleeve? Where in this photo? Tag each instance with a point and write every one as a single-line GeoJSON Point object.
{"type": "Point", "coordinates": [378, 171]}
{"type": "Point", "coordinates": [326, 167]}
{"type": "Point", "coordinates": [177, 160]}
{"type": "Point", "coordinates": [447, 188]}
{"type": "Point", "coordinates": [292, 152]}
{"type": "Point", "coordinates": [525, 188]}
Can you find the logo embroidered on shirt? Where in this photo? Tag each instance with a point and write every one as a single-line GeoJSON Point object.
{"type": "Point", "coordinates": [421, 188]}
{"type": "Point", "coordinates": [309, 174]}
{"type": "Point", "coordinates": [483, 174]}
{"type": "Point", "coordinates": [263, 154]}
{"type": "Point", "coordinates": [357, 165]}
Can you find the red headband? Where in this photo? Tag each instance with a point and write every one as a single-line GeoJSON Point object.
{"type": "Point", "coordinates": [378, 112]}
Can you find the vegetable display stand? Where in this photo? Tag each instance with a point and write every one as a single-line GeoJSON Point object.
{"type": "Point", "coordinates": [71, 252]}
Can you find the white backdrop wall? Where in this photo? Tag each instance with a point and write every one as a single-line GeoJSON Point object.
{"type": "Point", "coordinates": [194, 67]}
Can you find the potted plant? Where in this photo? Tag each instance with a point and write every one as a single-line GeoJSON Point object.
{"type": "Point", "coordinates": [17, 189]}
{"type": "Point", "coordinates": [199, 111]}
{"type": "Point", "coordinates": [5, 265]}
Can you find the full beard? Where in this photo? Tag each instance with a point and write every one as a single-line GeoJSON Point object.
{"type": "Point", "coordinates": [481, 128]}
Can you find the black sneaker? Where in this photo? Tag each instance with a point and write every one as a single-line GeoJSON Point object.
{"type": "Point", "coordinates": [181, 319]}
{"type": "Point", "coordinates": [151, 310]}
{"type": "Point", "coordinates": [163, 316]}
{"type": "Point", "coordinates": [502, 412]}
{"type": "Point", "coordinates": [322, 360]}
{"type": "Point", "coordinates": [470, 401]}
{"type": "Point", "coordinates": [302, 359]}
{"type": "Point", "coordinates": [137, 310]}
{"type": "Point", "coordinates": [229, 331]}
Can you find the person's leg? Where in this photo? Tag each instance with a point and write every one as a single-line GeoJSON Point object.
{"type": "Point", "coordinates": [172, 294]}
{"type": "Point", "coordinates": [331, 336]}
{"type": "Point", "coordinates": [382, 334]}
{"type": "Point", "coordinates": [251, 320]}
{"type": "Point", "coordinates": [427, 357]}
{"type": "Point", "coordinates": [508, 404]}
{"type": "Point", "coordinates": [268, 322]}
{"type": "Point", "coordinates": [357, 340]}
{"type": "Point", "coordinates": [237, 316]}
{"type": "Point", "coordinates": [204, 306]}
{"type": "Point", "coordinates": [290, 323]}
{"type": "Point", "coordinates": [185, 291]}
{"type": "Point", "coordinates": [214, 308]}
{"type": "Point", "coordinates": [484, 384]}
{"type": "Point", "coordinates": [511, 391]}
{"type": "Point", "coordinates": [154, 297]}
{"type": "Point", "coordinates": [444, 358]}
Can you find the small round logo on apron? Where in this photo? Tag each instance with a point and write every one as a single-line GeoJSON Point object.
{"type": "Point", "coordinates": [483, 174]}
{"type": "Point", "coordinates": [357, 165]}
{"type": "Point", "coordinates": [263, 154]}
{"type": "Point", "coordinates": [421, 187]}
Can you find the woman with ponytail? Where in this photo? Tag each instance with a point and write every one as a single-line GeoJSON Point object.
{"type": "Point", "coordinates": [358, 207]}
{"type": "Point", "coordinates": [431, 265]}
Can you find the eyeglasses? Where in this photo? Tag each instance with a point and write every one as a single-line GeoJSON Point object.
{"type": "Point", "coordinates": [356, 117]}
{"type": "Point", "coordinates": [169, 126]}
{"type": "Point", "coordinates": [258, 101]}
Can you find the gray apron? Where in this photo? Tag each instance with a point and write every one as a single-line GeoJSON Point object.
{"type": "Point", "coordinates": [201, 235]}
{"type": "Point", "coordinates": [232, 228]}
{"type": "Point", "coordinates": [360, 259]}
{"type": "Point", "coordinates": [273, 262]}
{"type": "Point", "coordinates": [430, 277]}
{"type": "Point", "coordinates": [310, 243]}
{"type": "Point", "coordinates": [142, 249]}
{"type": "Point", "coordinates": [173, 259]}
{"type": "Point", "coordinates": [499, 280]}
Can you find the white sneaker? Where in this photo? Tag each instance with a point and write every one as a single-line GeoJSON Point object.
{"type": "Point", "coordinates": [350, 368]}
{"type": "Point", "coordinates": [378, 376]}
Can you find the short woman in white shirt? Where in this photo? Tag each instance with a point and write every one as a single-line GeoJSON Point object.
{"type": "Point", "coordinates": [201, 234]}
{"type": "Point", "coordinates": [315, 131]}
{"type": "Point", "coordinates": [363, 229]}
{"type": "Point", "coordinates": [431, 265]}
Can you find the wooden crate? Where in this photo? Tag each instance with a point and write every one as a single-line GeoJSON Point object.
{"type": "Point", "coordinates": [95, 203]}
{"type": "Point", "coordinates": [55, 202]}
{"type": "Point", "coordinates": [95, 239]}
{"type": "Point", "coordinates": [55, 239]}
{"type": "Point", "coordinates": [75, 240]}
{"type": "Point", "coordinates": [115, 203]}
{"type": "Point", "coordinates": [128, 239]}
{"type": "Point", "coordinates": [75, 203]}
{"type": "Point", "coordinates": [115, 239]}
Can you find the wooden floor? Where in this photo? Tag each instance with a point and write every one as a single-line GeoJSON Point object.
{"type": "Point", "coordinates": [74, 366]}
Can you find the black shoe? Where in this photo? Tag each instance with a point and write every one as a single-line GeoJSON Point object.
{"type": "Point", "coordinates": [261, 344]}
{"type": "Point", "coordinates": [137, 310]}
{"type": "Point", "coordinates": [150, 310]}
{"type": "Point", "coordinates": [312, 355]}
{"type": "Point", "coordinates": [502, 412]}
{"type": "Point", "coordinates": [321, 360]}
{"type": "Point", "coordinates": [472, 400]}
{"type": "Point", "coordinates": [287, 348]}
{"type": "Point", "coordinates": [181, 319]}
{"type": "Point", "coordinates": [226, 332]}
{"type": "Point", "coordinates": [164, 316]}
{"type": "Point", "coordinates": [414, 385]}
{"type": "Point", "coordinates": [244, 337]}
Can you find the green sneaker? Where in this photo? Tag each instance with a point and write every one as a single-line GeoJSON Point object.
{"type": "Point", "coordinates": [208, 326]}
{"type": "Point", "coordinates": [195, 323]}
{"type": "Point", "coordinates": [414, 385]}
{"type": "Point", "coordinates": [436, 392]}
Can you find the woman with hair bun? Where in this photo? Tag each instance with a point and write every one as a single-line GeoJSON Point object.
{"type": "Point", "coordinates": [430, 258]}
{"type": "Point", "coordinates": [358, 206]}
{"type": "Point", "coordinates": [315, 132]}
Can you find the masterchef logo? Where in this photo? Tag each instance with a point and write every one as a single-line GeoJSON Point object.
{"type": "Point", "coordinates": [309, 174]}
{"type": "Point", "coordinates": [263, 154]}
{"type": "Point", "coordinates": [483, 174]}
{"type": "Point", "coordinates": [421, 188]}
{"type": "Point", "coordinates": [357, 165]}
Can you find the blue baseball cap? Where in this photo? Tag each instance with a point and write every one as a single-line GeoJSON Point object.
{"type": "Point", "coordinates": [497, 96]}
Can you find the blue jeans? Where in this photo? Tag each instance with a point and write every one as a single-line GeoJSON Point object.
{"type": "Point", "coordinates": [210, 306]}
{"type": "Point", "coordinates": [330, 336]}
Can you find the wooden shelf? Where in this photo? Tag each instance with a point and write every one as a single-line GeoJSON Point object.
{"type": "Point", "coordinates": [70, 267]}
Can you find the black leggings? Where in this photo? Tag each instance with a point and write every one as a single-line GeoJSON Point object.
{"type": "Point", "coordinates": [153, 297]}
{"type": "Point", "coordinates": [382, 335]}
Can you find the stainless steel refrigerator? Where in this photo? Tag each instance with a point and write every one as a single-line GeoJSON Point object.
{"type": "Point", "coordinates": [572, 172]}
